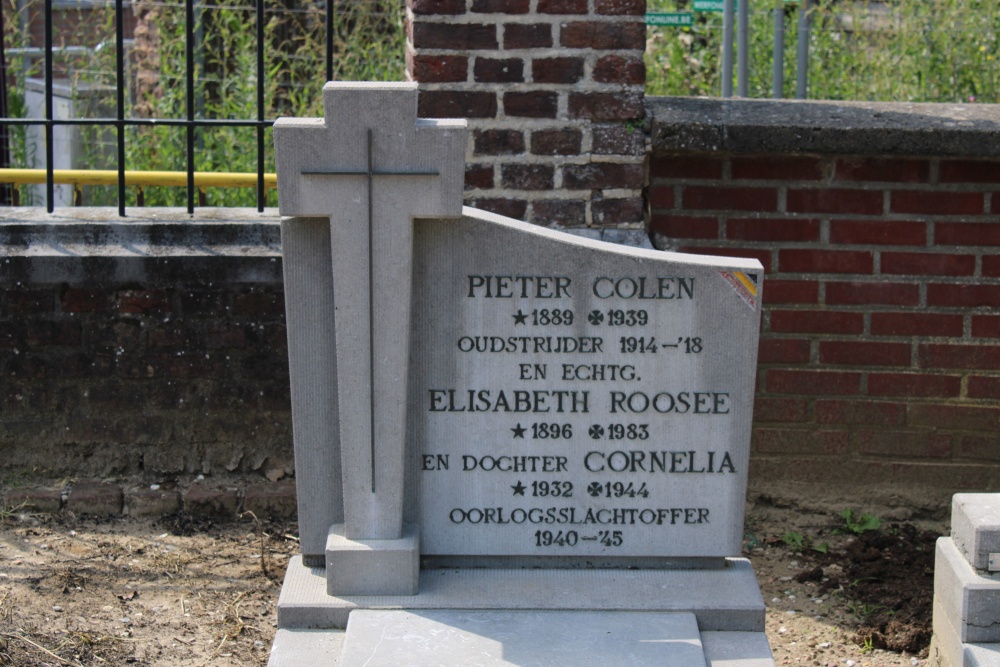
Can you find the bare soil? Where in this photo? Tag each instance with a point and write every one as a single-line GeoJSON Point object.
{"type": "Point", "coordinates": [180, 592]}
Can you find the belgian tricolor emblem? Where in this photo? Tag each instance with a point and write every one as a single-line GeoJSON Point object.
{"type": "Point", "coordinates": [745, 285]}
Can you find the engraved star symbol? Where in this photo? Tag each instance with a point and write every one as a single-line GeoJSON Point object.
{"type": "Point", "coordinates": [518, 488]}
{"type": "Point", "coordinates": [519, 431]}
{"type": "Point", "coordinates": [519, 317]}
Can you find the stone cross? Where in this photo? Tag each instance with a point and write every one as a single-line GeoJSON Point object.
{"type": "Point", "coordinates": [371, 167]}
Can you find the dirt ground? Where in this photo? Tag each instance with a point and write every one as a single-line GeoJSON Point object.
{"type": "Point", "coordinates": [181, 593]}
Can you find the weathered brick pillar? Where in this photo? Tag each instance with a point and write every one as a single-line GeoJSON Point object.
{"type": "Point", "coordinates": [553, 91]}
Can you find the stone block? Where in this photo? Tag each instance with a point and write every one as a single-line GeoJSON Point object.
{"type": "Point", "coordinates": [203, 500]}
{"type": "Point", "coordinates": [306, 648]}
{"type": "Point", "coordinates": [969, 599]}
{"type": "Point", "coordinates": [737, 649]}
{"type": "Point", "coordinates": [454, 638]}
{"type": "Point", "coordinates": [146, 501]}
{"type": "Point", "coordinates": [96, 498]}
{"type": "Point", "coordinates": [975, 527]}
{"type": "Point", "coordinates": [373, 567]}
{"type": "Point", "coordinates": [982, 655]}
{"type": "Point", "coordinates": [275, 501]}
{"type": "Point", "coordinates": [34, 499]}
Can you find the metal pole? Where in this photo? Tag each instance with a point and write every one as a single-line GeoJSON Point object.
{"type": "Point", "coordinates": [329, 40]}
{"type": "Point", "coordinates": [50, 188]}
{"type": "Point", "coordinates": [743, 48]}
{"type": "Point", "coordinates": [120, 81]}
{"type": "Point", "coordinates": [778, 85]}
{"type": "Point", "coordinates": [261, 199]}
{"type": "Point", "coordinates": [802, 63]}
{"type": "Point", "coordinates": [189, 57]}
{"type": "Point", "coordinates": [727, 48]}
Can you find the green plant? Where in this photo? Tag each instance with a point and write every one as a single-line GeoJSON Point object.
{"type": "Point", "coordinates": [861, 523]}
{"type": "Point", "coordinates": [866, 646]}
{"type": "Point", "coordinates": [793, 539]}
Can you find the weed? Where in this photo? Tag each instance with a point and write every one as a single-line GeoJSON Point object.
{"type": "Point", "coordinates": [793, 539]}
{"type": "Point", "coordinates": [866, 646]}
{"type": "Point", "coordinates": [822, 547]}
{"type": "Point", "coordinates": [861, 523]}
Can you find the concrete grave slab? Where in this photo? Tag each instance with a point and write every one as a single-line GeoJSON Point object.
{"type": "Point", "coordinates": [458, 638]}
{"type": "Point", "coordinates": [975, 527]}
{"type": "Point", "coordinates": [969, 598]}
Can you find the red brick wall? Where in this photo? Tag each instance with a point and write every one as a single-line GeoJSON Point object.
{"type": "Point", "coordinates": [880, 342]}
{"type": "Point", "coordinates": [553, 93]}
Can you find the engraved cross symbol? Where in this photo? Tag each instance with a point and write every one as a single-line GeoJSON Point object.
{"type": "Point", "coordinates": [371, 131]}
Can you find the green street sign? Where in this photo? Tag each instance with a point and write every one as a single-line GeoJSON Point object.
{"type": "Point", "coordinates": [711, 5]}
{"type": "Point", "coordinates": [670, 18]}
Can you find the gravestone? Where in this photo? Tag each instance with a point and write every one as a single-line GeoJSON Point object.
{"type": "Point", "coordinates": [503, 433]}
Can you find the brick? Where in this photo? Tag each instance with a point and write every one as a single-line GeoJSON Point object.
{"type": "Point", "coordinates": [562, 6]}
{"type": "Point", "coordinates": [969, 171]}
{"type": "Point", "coordinates": [455, 104]}
{"type": "Point", "coordinates": [534, 104]}
{"type": "Point", "coordinates": [606, 106]}
{"type": "Point", "coordinates": [603, 35]}
{"type": "Point", "coordinates": [816, 321]}
{"type": "Point", "coordinates": [202, 500]}
{"type": "Point", "coordinates": [954, 417]}
{"type": "Point", "coordinates": [527, 36]}
{"type": "Point", "coordinates": [500, 6]}
{"type": "Point", "coordinates": [863, 353]}
{"type": "Point", "coordinates": [685, 226]}
{"type": "Point", "coordinates": [450, 7]}
{"type": "Point", "coordinates": [916, 385]}
{"type": "Point", "coordinates": [686, 166]}
{"type": "Point", "coordinates": [783, 351]}
{"type": "Point", "coordinates": [617, 140]}
{"type": "Point", "coordinates": [259, 303]}
{"type": "Point", "coordinates": [95, 498]}
{"type": "Point", "coordinates": [859, 412]}
{"type": "Point", "coordinates": [556, 70]}
{"type": "Point", "coordinates": [498, 142]}
{"type": "Point", "coordinates": [878, 232]}
{"type": "Point", "coordinates": [820, 383]}
{"type": "Point", "coordinates": [916, 324]}
{"type": "Point", "coordinates": [865, 293]}
{"type": "Point", "coordinates": [225, 336]}
{"type": "Point", "coordinates": [991, 266]}
{"type": "Point", "coordinates": [777, 168]}
{"type": "Point", "coordinates": [498, 70]}
{"type": "Point", "coordinates": [799, 441]}
{"type": "Point", "coordinates": [967, 233]}
{"type": "Point", "coordinates": [899, 444]}
{"type": "Point", "coordinates": [617, 211]}
{"type": "Point", "coordinates": [29, 301]}
{"type": "Point", "coordinates": [512, 208]}
{"type": "Point", "coordinates": [979, 447]}
{"type": "Point", "coordinates": [86, 301]}
{"type": "Point", "coordinates": [143, 301]}
{"type": "Point", "coordinates": [984, 387]}
{"type": "Point", "coordinates": [825, 261]}
{"type": "Point", "coordinates": [829, 200]}
{"type": "Point", "coordinates": [976, 357]}
{"type": "Point", "coordinates": [789, 410]}
{"type": "Point", "coordinates": [936, 203]}
{"type": "Point", "coordinates": [49, 333]}
{"type": "Point", "coordinates": [620, 69]}
{"type": "Point", "coordinates": [729, 198]}
{"type": "Point", "coordinates": [527, 176]}
{"type": "Point", "coordinates": [478, 176]}
{"type": "Point", "coordinates": [147, 501]}
{"type": "Point", "coordinates": [438, 69]}
{"type": "Point", "coordinates": [455, 36]}
{"type": "Point", "coordinates": [620, 7]}
{"type": "Point", "coordinates": [791, 291]}
{"type": "Point", "coordinates": [772, 229]}
{"type": "Point", "coordinates": [562, 212]}
{"type": "Point", "coordinates": [963, 296]}
{"type": "Point", "coordinates": [271, 501]}
{"type": "Point", "coordinates": [602, 175]}
{"type": "Point", "coordinates": [661, 197]}
{"type": "Point", "coordinates": [763, 256]}
{"type": "Point", "coordinates": [556, 142]}
{"type": "Point", "coordinates": [31, 499]}
{"type": "Point", "coordinates": [927, 264]}
{"type": "Point", "coordinates": [986, 326]}
{"type": "Point", "coordinates": [885, 170]}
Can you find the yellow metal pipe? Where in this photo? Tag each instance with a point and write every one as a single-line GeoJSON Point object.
{"type": "Point", "coordinates": [79, 177]}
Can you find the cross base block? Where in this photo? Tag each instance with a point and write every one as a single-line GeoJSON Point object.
{"type": "Point", "coordinates": [372, 567]}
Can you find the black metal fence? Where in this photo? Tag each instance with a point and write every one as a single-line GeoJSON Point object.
{"type": "Point", "coordinates": [190, 122]}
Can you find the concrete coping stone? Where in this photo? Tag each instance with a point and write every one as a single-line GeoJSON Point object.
{"type": "Point", "coordinates": [975, 527]}
{"type": "Point", "coordinates": [682, 124]}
